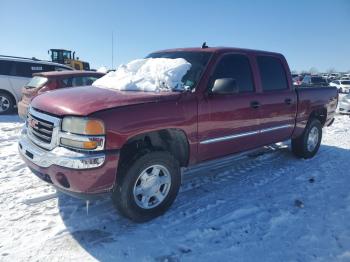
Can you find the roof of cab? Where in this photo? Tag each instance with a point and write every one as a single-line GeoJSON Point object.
{"type": "Point", "coordinates": [218, 50]}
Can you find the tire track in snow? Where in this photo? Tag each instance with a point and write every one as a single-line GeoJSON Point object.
{"type": "Point", "coordinates": [232, 175]}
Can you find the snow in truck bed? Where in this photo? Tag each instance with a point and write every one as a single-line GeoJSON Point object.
{"type": "Point", "coordinates": [149, 74]}
{"type": "Point", "coordinates": [266, 207]}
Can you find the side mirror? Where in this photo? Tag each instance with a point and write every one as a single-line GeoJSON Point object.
{"type": "Point", "coordinates": [225, 86]}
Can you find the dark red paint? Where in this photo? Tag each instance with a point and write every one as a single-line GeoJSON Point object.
{"type": "Point", "coordinates": [197, 114]}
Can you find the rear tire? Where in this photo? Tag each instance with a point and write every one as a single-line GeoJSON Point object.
{"type": "Point", "coordinates": [6, 103]}
{"type": "Point", "coordinates": [307, 145]}
{"type": "Point", "coordinates": [148, 186]}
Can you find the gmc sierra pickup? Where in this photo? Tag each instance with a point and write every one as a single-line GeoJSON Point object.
{"type": "Point", "coordinates": [89, 141]}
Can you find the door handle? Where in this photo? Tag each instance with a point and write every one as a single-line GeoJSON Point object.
{"type": "Point", "coordinates": [255, 104]}
{"type": "Point", "coordinates": [288, 101]}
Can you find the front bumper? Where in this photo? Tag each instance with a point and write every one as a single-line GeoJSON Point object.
{"type": "Point", "coordinates": [79, 174]}
{"type": "Point", "coordinates": [59, 156]}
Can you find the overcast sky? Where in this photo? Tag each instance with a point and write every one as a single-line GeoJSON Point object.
{"type": "Point", "coordinates": [308, 33]}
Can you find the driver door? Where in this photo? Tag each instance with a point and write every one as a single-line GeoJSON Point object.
{"type": "Point", "coordinates": [228, 122]}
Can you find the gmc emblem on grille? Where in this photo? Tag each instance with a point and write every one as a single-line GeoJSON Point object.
{"type": "Point", "coordinates": [33, 123]}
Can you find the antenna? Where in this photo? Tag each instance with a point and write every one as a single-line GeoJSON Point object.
{"type": "Point", "coordinates": [112, 49]}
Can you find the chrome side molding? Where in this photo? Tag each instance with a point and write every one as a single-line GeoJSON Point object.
{"type": "Point", "coordinates": [235, 136]}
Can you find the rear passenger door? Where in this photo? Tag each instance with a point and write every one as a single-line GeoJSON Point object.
{"type": "Point", "coordinates": [228, 122]}
{"type": "Point", "coordinates": [277, 100]}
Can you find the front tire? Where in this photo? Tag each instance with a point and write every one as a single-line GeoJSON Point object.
{"type": "Point", "coordinates": [307, 145]}
{"type": "Point", "coordinates": [148, 186]}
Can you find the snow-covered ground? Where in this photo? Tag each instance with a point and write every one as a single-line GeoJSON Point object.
{"type": "Point", "coordinates": [267, 207]}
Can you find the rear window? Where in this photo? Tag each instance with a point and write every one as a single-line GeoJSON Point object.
{"type": "Point", "coordinates": [79, 81]}
{"type": "Point", "coordinates": [273, 76]}
{"type": "Point", "coordinates": [345, 82]}
{"type": "Point", "coordinates": [37, 81]}
{"type": "Point", "coordinates": [318, 80]}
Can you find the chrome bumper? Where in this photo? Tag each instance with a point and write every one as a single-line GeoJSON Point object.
{"type": "Point", "coordinates": [58, 156]}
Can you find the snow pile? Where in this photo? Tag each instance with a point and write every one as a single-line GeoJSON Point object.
{"type": "Point", "coordinates": [102, 69]}
{"type": "Point", "coordinates": [150, 74]}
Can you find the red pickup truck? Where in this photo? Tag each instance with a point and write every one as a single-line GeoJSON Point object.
{"type": "Point", "coordinates": [89, 141]}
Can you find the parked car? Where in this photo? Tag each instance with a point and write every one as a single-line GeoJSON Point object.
{"type": "Point", "coordinates": [88, 141]}
{"type": "Point", "coordinates": [15, 72]}
{"type": "Point", "coordinates": [344, 105]}
{"type": "Point", "coordinates": [297, 80]}
{"type": "Point", "coordinates": [343, 86]}
{"type": "Point", "coordinates": [314, 81]}
{"type": "Point", "coordinates": [325, 76]}
{"type": "Point", "coordinates": [49, 81]}
{"type": "Point", "coordinates": [334, 76]}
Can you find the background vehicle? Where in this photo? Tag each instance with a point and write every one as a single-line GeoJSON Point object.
{"type": "Point", "coordinates": [297, 80]}
{"type": "Point", "coordinates": [15, 72]}
{"type": "Point", "coordinates": [66, 57]}
{"type": "Point", "coordinates": [314, 81]}
{"type": "Point", "coordinates": [334, 76]}
{"type": "Point", "coordinates": [49, 81]}
{"type": "Point", "coordinates": [343, 86]}
{"type": "Point", "coordinates": [344, 104]}
{"type": "Point", "coordinates": [132, 144]}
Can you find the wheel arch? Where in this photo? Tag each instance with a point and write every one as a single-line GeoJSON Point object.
{"type": "Point", "coordinates": [319, 114]}
{"type": "Point", "coordinates": [10, 94]}
{"type": "Point", "coordinates": [172, 140]}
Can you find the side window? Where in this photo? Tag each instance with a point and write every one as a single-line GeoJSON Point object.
{"type": "Point", "coordinates": [78, 81]}
{"type": "Point", "coordinates": [23, 69]}
{"type": "Point", "coordinates": [48, 68]}
{"type": "Point", "coordinates": [238, 68]}
{"type": "Point", "coordinates": [67, 82]}
{"type": "Point", "coordinates": [273, 76]}
{"type": "Point", "coordinates": [89, 80]}
{"type": "Point", "coordinates": [5, 67]}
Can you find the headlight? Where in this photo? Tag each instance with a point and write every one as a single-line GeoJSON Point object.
{"type": "Point", "coordinates": [83, 126]}
{"type": "Point", "coordinates": [82, 133]}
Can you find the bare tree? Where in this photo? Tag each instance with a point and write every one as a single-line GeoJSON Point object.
{"type": "Point", "coordinates": [313, 70]}
{"type": "Point", "coordinates": [330, 70]}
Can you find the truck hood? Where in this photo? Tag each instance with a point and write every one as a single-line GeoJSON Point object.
{"type": "Point", "coordinates": [84, 100]}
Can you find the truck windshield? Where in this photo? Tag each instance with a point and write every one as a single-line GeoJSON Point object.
{"type": "Point", "coordinates": [198, 61]}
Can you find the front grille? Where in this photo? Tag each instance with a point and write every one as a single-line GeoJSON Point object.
{"type": "Point", "coordinates": [40, 129]}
